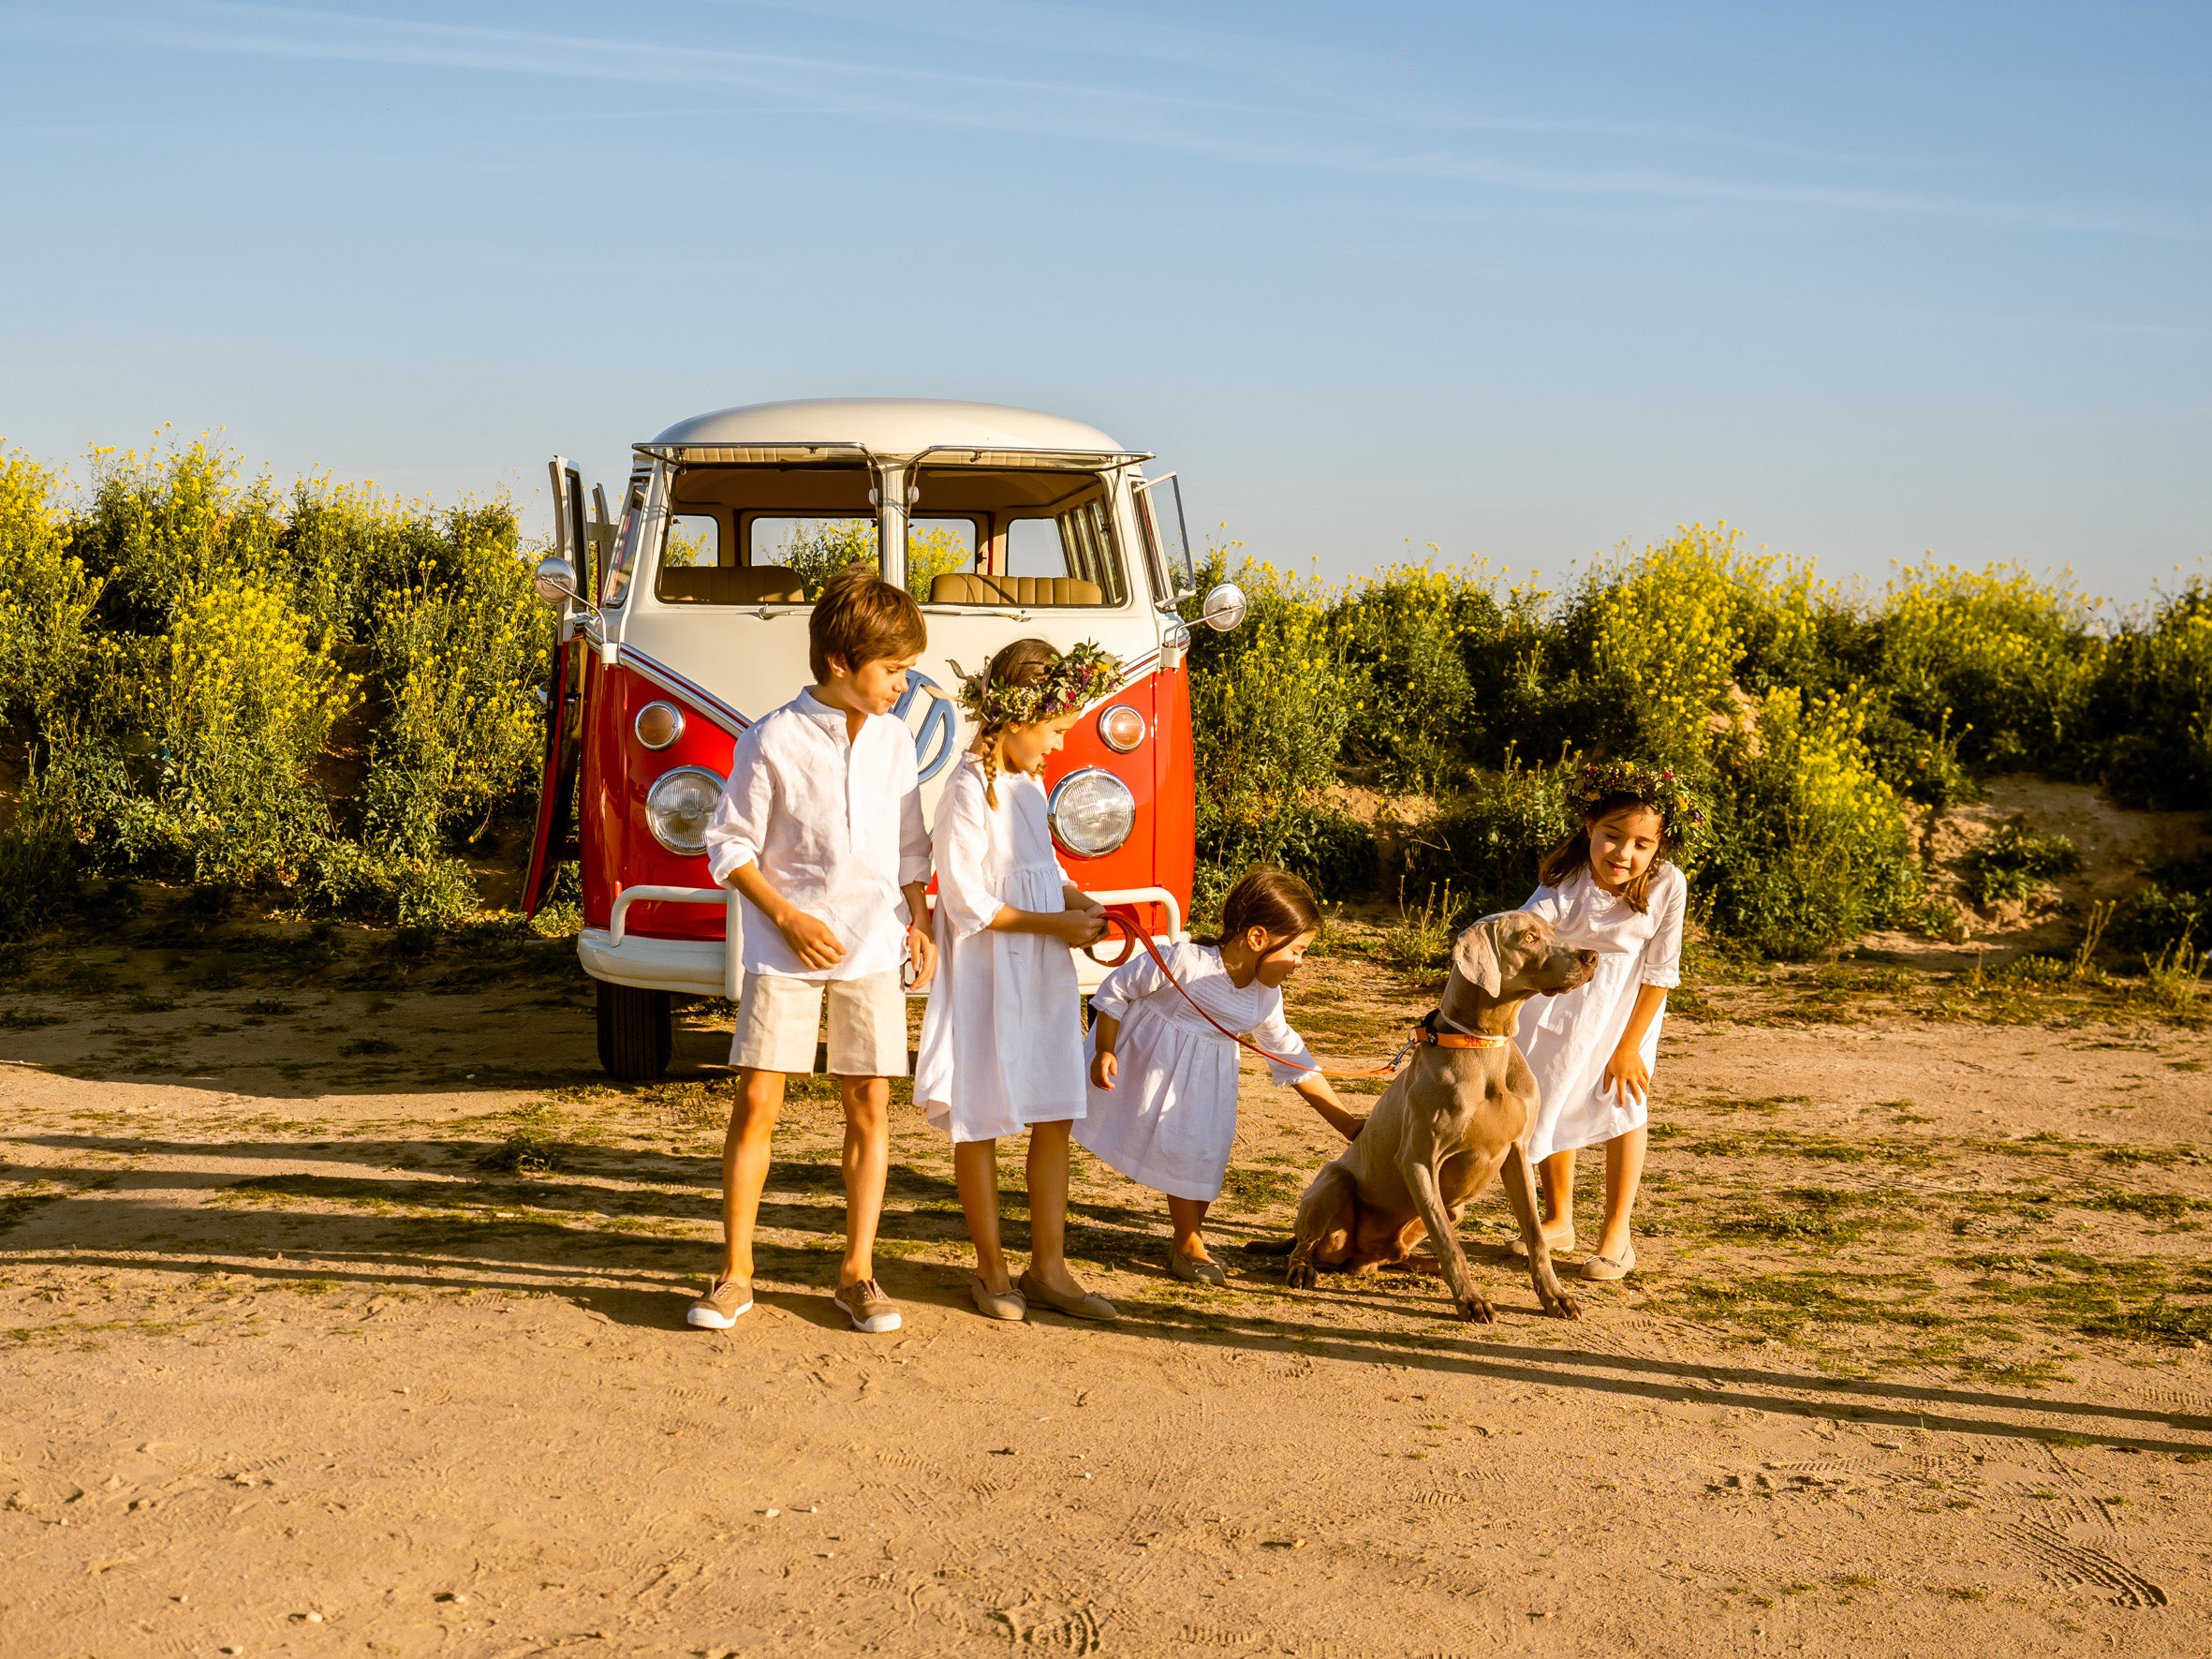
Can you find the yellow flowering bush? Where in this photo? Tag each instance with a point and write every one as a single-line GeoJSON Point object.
{"type": "Point", "coordinates": [46, 595]}
{"type": "Point", "coordinates": [316, 689]}
{"type": "Point", "coordinates": [1999, 653]}
{"type": "Point", "coordinates": [1270, 703]}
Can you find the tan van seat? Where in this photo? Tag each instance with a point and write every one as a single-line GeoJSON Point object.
{"type": "Point", "coordinates": [972, 587]}
{"type": "Point", "coordinates": [730, 584]}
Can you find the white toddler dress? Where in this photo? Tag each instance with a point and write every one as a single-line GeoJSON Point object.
{"type": "Point", "coordinates": [1002, 1037]}
{"type": "Point", "coordinates": [1170, 1120]}
{"type": "Point", "coordinates": [1568, 1038]}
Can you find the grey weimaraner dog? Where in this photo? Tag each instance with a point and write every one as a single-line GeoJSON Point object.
{"type": "Point", "coordinates": [1447, 1124]}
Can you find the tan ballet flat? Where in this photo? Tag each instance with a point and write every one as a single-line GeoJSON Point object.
{"type": "Point", "coordinates": [1190, 1270]}
{"type": "Point", "coordinates": [1566, 1247]}
{"type": "Point", "coordinates": [997, 1304]}
{"type": "Point", "coordinates": [1084, 1305]}
{"type": "Point", "coordinates": [1605, 1269]}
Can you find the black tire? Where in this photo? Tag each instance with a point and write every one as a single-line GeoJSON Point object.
{"type": "Point", "coordinates": [637, 1032]}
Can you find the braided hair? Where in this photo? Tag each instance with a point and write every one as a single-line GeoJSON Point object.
{"type": "Point", "coordinates": [1024, 664]}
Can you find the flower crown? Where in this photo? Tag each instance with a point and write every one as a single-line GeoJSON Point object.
{"type": "Point", "coordinates": [1082, 672]}
{"type": "Point", "coordinates": [1662, 791]}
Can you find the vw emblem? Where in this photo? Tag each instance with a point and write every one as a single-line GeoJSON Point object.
{"type": "Point", "coordinates": [939, 730]}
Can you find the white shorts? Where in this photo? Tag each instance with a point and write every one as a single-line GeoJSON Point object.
{"type": "Point", "coordinates": [778, 1018]}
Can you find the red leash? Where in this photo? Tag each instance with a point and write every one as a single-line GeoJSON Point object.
{"type": "Point", "coordinates": [1134, 932]}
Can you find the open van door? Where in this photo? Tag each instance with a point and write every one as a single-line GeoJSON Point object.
{"type": "Point", "coordinates": [554, 843]}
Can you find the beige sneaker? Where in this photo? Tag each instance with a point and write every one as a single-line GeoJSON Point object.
{"type": "Point", "coordinates": [725, 1301]}
{"type": "Point", "coordinates": [868, 1307]}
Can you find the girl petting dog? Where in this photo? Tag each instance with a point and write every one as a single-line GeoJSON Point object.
{"type": "Point", "coordinates": [1162, 1106]}
{"type": "Point", "coordinates": [1002, 1039]}
{"type": "Point", "coordinates": [1607, 888]}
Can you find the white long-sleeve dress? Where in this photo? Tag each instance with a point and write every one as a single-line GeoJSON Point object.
{"type": "Point", "coordinates": [1170, 1120]}
{"type": "Point", "coordinates": [1002, 1037]}
{"type": "Point", "coordinates": [1568, 1038]}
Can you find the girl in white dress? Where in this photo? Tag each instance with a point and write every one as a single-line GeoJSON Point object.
{"type": "Point", "coordinates": [1607, 888]}
{"type": "Point", "coordinates": [1002, 1039]}
{"type": "Point", "coordinates": [1162, 1106]}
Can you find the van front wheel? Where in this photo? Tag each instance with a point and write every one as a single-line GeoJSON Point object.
{"type": "Point", "coordinates": [637, 1032]}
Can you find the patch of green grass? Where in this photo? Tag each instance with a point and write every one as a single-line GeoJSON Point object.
{"type": "Point", "coordinates": [1250, 1188]}
{"type": "Point", "coordinates": [28, 1020]}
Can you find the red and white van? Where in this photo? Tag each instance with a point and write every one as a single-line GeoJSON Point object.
{"type": "Point", "coordinates": [683, 618]}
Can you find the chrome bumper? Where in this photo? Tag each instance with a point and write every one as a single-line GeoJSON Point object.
{"type": "Point", "coordinates": [706, 968]}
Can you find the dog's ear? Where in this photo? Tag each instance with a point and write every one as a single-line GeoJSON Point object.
{"type": "Point", "coordinates": [1475, 955]}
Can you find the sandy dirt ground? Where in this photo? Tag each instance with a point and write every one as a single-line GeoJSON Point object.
{"type": "Point", "coordinates": [340, 1310]}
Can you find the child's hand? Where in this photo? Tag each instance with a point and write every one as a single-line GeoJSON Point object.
{"type": "Point", "coordinates": [1627, 1076]}
{"type": "Point", "coordinates": [1103, 1070]}
{"type": "Point", "coordinates": [811, 939]}
{"type": "Point", "coordinates": [921, 954]}
{"type": "Point", "coordinates": [1078, 927]}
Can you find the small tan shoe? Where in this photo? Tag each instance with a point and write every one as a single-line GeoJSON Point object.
{"type": "Point", "coordinates": [1006, 1304]}
{"type": "Point", "coordinates": [1565, 1247]}
{"type": "Point", "coordinates": [1084, 1305]}
{"type": "Point", "coordinates": [725, 1301]}
{"type": "Point", "coordinates": [1605, 1269]}
{"type": "Point", "coordinates": [1190, 1270]}
{"type": "Point", "coordinates": [867, 1307]}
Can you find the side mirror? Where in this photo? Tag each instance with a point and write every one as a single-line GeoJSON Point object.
{"type": "Point", "coordinates": [1174, 645]}
{"type": "Point", "coordinates": [1225, 607]}
{"type": "Point", "coordinates": [555, 582]}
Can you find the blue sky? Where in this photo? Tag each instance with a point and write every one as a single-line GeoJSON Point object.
{"type": "Point", "coordinates": [1526, 282]}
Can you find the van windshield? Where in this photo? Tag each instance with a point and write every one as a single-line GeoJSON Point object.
{"type": "Point", "coordinates": [984, 537]}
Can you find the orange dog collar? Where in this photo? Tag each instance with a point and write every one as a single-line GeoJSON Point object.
{"type": "Point", "coordinates": [1458, 1039]}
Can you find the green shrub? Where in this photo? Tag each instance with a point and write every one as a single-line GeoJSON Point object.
{"type": "Point", "coordinates": [1490, 839]}
{"type": "Point", "coordinates": [316, 693]}
{"type": "Point", "coordinates": [1408, 634]}
{"type": "Point", "coordinates": [1807, 847]}
{"type": "Point", "coordinates": [2006, 659]}
{"type": "Point", "coordinates": [2014, 864]}
{"type": "Point", "coordinates": [1271, 702]}
{"type": "Point", "coordinates": [2147, 720]}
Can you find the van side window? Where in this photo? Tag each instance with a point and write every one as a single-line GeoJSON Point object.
{"type": "Point", "coordinates": [1075, 550]}
{"type": "Point", "coordinates": [694, 538]}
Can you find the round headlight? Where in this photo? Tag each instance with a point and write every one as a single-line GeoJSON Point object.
{"type": "Point", "coordinates": [1122, 727]}
{"type": "Point", "coordinates": [1092, 812]}
{"type": "Point", "coordinates": [678, 806]}
{"type": "Point", "coordinates": [658, 724]}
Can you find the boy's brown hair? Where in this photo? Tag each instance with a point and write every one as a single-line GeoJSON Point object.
{"type": "Point", "coordinates": [862, 618]}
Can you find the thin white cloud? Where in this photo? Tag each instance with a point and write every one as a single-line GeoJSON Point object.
{"type": "Point", "coordinates": [1260, 133]}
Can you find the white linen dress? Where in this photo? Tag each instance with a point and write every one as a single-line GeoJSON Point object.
{"type": "Point", "coordinates": [1170, 1120]}
{"type": "Point", "coordinates": [1568, 1038]}
{"type": "Point", "coordinates": [1002, 1037]}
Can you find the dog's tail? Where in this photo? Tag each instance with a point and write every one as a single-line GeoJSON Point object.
{"type": "Point", "coordinates": [1269, 1247]}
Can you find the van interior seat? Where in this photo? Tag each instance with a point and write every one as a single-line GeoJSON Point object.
{"type": "Point", "coordinates": [972, 587]}
{"type": "Point", "coordinates": [730, 585]}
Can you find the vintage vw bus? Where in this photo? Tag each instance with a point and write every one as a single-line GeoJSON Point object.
{"type": "Point", "coordinates": [683, 618]}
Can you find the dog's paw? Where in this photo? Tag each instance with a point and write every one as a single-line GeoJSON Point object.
{"type": "Point", "coordinates": [1299, 1276]}
{"type": "Point", "coordinates": [1565, 1307]}
{"type": "Point", "coordinates": [1474, 1310]}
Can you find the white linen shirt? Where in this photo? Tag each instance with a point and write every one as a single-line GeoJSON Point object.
{"type": "Point", "coordinates": [835, 825]}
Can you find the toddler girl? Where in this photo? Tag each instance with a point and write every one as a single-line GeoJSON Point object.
{"type": "Point", "coordinates": [1162, 1106]}
{"type": "Point", "coordinates": [1607, 888]}
{"type": "Point", "coordinates": [1002, 1040]}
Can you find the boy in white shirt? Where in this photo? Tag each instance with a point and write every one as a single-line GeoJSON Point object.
{"type": "Point", "coordinates": [820, 831]}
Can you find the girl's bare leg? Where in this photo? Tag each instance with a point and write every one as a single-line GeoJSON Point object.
{"type": "Point", "coordinates": [867, 1162]}
{"type": "Point", "coordinates": [1624, 1173]}
{"type": "Point", "coordinates": [1185, 1218]}
{"type": "Point", "coordinates": [1048, 1207]}
{"type": "Point", "coordinates": [1555, 1180]}
{"type": "Point", "coordinates": [975, 1171]}
{"type": "Point", "coordinates": [744, 1166]}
